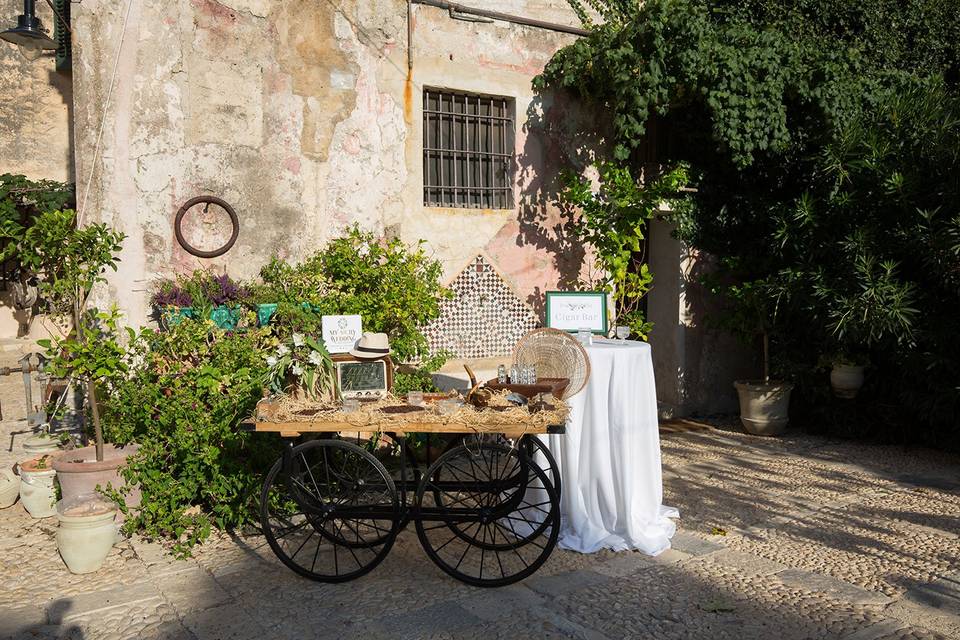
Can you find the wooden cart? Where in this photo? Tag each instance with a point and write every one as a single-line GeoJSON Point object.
{"type": "Point", "coordinates": [486, 511]}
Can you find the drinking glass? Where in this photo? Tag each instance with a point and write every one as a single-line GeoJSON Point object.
{"type": "Point", "coordinates": [448, 406]}
{"type": "Point", "coordinates": [415, 398]}
{"type": "Point", "coordinates": [584, 335]}
{"type": "Point", "coordinates": [623, 332]}
{"type": "Point", "coordinates": [351, 405]}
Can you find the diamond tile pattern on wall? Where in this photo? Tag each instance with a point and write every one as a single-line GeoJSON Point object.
{"type": "Point", "coordinates": [484, 318]}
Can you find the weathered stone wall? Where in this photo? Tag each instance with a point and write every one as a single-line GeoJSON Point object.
{"type": "Point", "coordinates": [36, 137]}
{"type": "Point", "coordinates": [35, 105]}
{"type": "Point", "coordinates": [304, 116]}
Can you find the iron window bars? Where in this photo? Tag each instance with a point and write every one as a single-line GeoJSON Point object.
{"type": "Point", "coordinates": [468, 150]}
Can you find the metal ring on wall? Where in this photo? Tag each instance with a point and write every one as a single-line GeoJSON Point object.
{"type": "Point", "coordinates": [235, 221]}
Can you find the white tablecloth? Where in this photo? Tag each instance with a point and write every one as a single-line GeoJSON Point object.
{"type": "Point", "coordinates": [609, 458]}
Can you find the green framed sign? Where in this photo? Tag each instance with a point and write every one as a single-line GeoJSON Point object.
{"type": "Point", "coordinates": [575, 310]}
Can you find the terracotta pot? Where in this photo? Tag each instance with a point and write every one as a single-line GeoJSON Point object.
{"type": "Point", "coordinates": [846, 380]}
{"type": "Point", "coordinates": [764, 406]}
{"type": "Point", "coordinates": [79, 472]}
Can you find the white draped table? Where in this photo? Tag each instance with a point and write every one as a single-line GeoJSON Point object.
{"type": "Point", "coordinates": [609, 458]}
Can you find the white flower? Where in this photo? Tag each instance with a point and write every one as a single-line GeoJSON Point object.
{"type": "Point", "coordinates": [282, 350]}
{"type": "Point", "coordinates": [363, 249]}
{"type": "Point", "coordinates": [315, 358]}
{"type": "Point", "coordinates": [271, 361]}
{"type": "Point", "coordinates": [298, 339]}
{"type": "Point", "coordinates": [297, 370]}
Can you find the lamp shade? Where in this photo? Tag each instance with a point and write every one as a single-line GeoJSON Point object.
{"type": "Point", "coordinates": [28, 34]}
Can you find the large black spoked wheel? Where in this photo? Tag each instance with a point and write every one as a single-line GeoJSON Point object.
{"type": "Point", "coordinates": [513, 479]}
{"type": "Point", "coordinates": [537, 450]}
{"type": "Point", "coordinates": [488, 515]}
{"type": "Point", "coordinates": [332, 514]}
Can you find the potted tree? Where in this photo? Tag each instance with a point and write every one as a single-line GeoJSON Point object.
{"type": "Point", "coordinates": [765, 402]}
{"type": "Point", "coordinates": [69, 261]}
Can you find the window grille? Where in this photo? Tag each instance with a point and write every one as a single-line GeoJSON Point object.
{"type": "Point", "coordinates": [468, 145]}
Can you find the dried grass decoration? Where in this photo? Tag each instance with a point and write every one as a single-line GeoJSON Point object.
{"type": "Point", "coordinates": [383, 415]}
{"type": "Point", "coordinates": [555, 354]}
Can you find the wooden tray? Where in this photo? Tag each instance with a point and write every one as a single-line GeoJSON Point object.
{"type": "Point", "coordinates": [556, 386]}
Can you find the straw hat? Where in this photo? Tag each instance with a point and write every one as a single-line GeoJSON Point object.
{"type": "Point", "coordinates": [371, 346]}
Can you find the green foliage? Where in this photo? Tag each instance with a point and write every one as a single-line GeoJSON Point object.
{"type": "Point", "coordinates": [100, 356]}
{"type": "Point", "coordinates": [822, 141]}
{"type": "Point", "coordinates": [185, 393]}
{"type": "Point", "coordinates": [418, 378]}
{"type": "Point", "coordinates": [395, 288]}
{"type": "Point", "coordinates": [302, 365]}
{"type": "Point", "coordinates": [21, 201]}
{"type": "Point", "coordinates": [68, 260]}
{"type": "Point", "coordinates": [612, 222]}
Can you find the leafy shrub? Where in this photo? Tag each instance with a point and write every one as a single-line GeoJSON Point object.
{"type": "Point", "coordinates": [613, 222]}
{"type": "Point", "coordinates": [201, 289]}
{"type": "Point", "coordinates": [21, 201]}
{"type": "Point", "coordinates": [301, 365]}
{"type": "Point", "coordinates": [395, 288]}
{"type": "Point", "coordinates": [186, 391]}
{"type": "Point", "coordinates": [821, 138]}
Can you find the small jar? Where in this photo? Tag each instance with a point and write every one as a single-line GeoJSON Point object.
{"type": "Point", "coordinates": [502, 374]}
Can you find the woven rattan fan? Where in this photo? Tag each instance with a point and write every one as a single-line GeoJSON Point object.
{"type": "Point", "coordinates": [555, 354]}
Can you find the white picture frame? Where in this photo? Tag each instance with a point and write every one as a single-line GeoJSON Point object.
{"type": "Point", "coordinates": [340, 333]}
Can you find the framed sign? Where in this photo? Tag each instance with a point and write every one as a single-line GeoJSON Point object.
{"type": "Point", "coordinates": [340, 333]}
{"type": "Point", "coordinates": [363, 379]}
{"type": "Point", "coordinates": [575, 310]}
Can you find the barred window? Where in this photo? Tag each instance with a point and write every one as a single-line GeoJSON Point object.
{"type": "Point", "coordinates": [468, 143]}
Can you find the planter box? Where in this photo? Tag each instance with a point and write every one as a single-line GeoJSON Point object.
{"type": "Point", "coordinates": [225, 317]}
{"type": "Point", "coordinates": [265, 313]}
{"type": "Point", "coordinates": [172, 316]}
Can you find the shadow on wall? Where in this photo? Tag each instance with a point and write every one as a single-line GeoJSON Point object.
{"type": "Point", "coordinates": [558, 137]}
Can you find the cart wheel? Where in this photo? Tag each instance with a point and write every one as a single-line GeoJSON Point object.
{"type": "Point", "coordinates": [488, 517]}
{"type": "Point", "coordinates": [537, 446]}
{"type": "Point", "coordinates": [503, 500]}
{"type": "Point", "coordinates": [333, 515]}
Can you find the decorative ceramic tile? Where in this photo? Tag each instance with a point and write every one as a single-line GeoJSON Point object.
{"type": "Point", "coordinates": [484, 318]}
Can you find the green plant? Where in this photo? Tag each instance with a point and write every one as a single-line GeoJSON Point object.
{"type": "Point", "coordinates": [21, 201]}
{"type": "Point", "coordinates": [202, 290]}
{"type": "Point", "coordinates": [612, 222]}
{"type": "Point", "coordinates": [99, 358]}
{"type": "Point", "coordinates": [186, 390]}
{"type": "Point", "coordinates": [821, 138]}
{"type": "Point", "coordinates": [394, 287]}
{"type": "Point", "coordinates": [69, 261]}
{"type": "Point", "coordinates": [302, 366]}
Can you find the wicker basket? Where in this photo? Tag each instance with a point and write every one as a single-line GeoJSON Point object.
{"type": "Point", "coordinates": [555, 354]}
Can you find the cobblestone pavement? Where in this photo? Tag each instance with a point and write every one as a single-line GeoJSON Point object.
{"type": "Point", "coordinates": [794, 537]}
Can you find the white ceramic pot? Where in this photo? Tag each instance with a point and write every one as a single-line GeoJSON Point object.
{"type": "Point", "coordinates": [846, 380]}
{"type": "Point", "coordinates": [36, 446]}
{"type": "Point", "coordinates": [764, 406]}
{"type": "Point", "coordinates": [9, 488]}
{"type": "Point", "coordinates": [37, 492]}
{"type": "Point", "coordinates": [86, 533]}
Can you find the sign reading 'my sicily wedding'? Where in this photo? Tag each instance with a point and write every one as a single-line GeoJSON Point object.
{"type": "Point", "coordinates": [575, 310]}
{"type": "Point", "coordinates": [340, 333]}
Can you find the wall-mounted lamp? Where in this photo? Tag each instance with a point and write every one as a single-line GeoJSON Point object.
{"type": "Point", "coordinates": [29, 34]}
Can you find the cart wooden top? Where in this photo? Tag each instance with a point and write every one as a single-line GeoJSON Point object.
{"type": "Point", "coordinates": [296, 428]}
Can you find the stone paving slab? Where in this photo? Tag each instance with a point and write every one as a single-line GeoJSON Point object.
{"type": "Point", "coordinates": [824, 539]}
